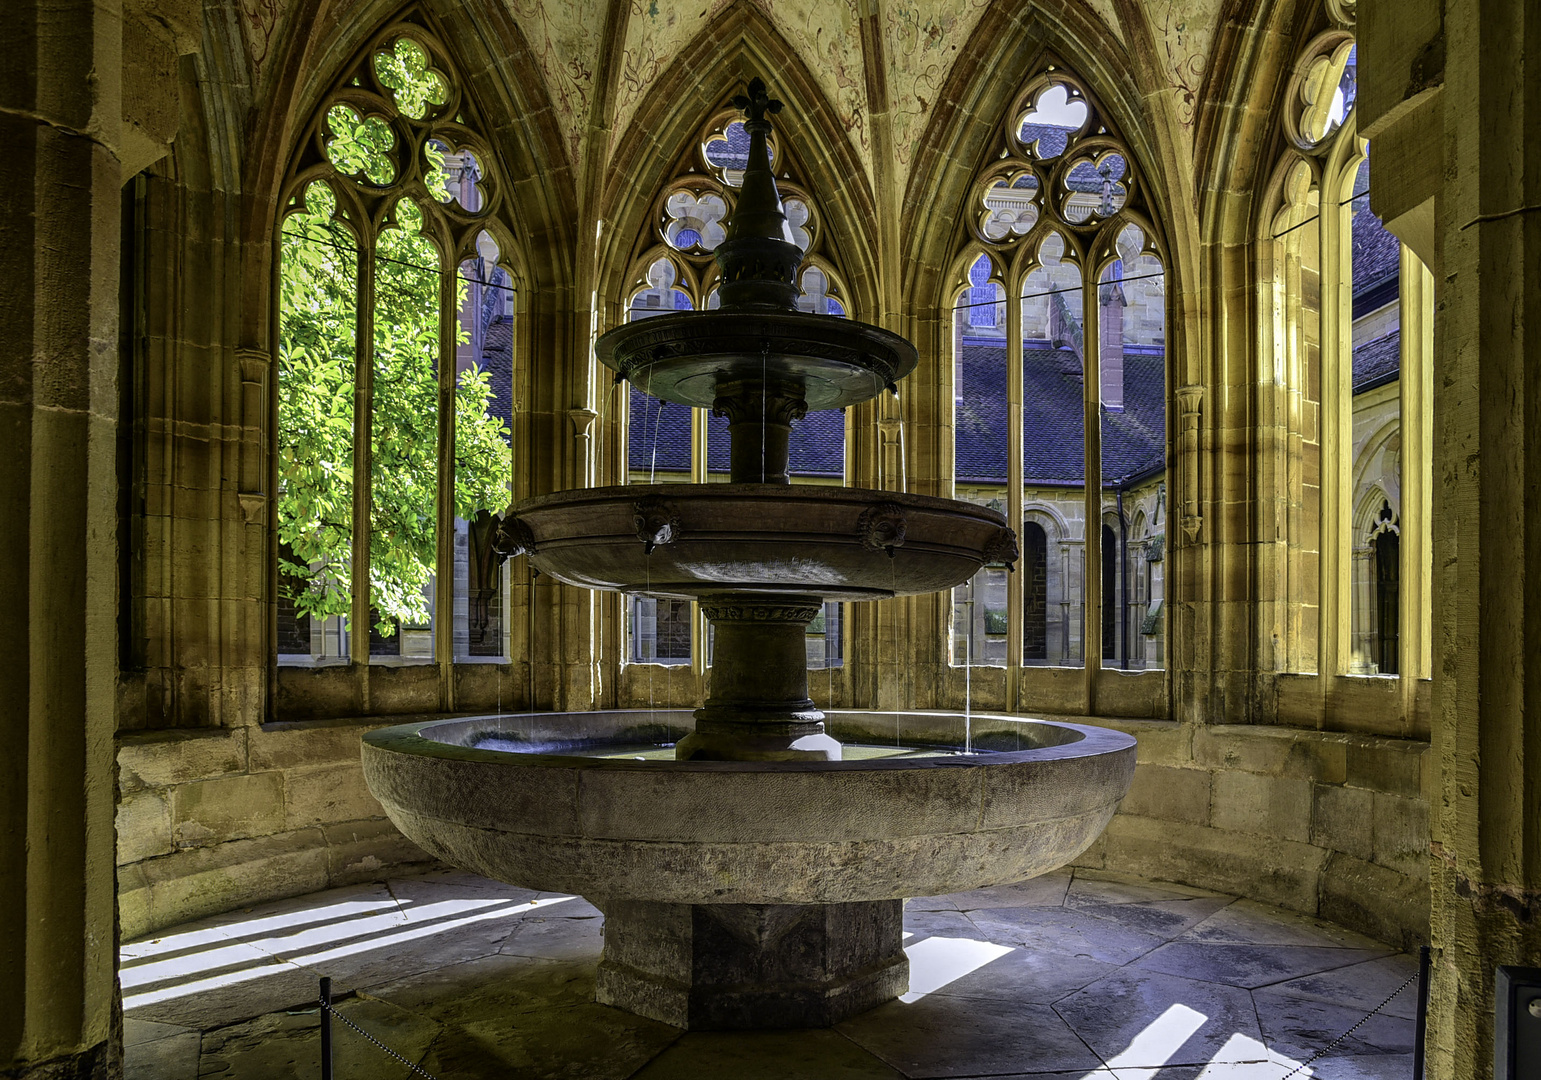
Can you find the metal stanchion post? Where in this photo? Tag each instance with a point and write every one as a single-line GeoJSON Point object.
{"type": "Point", "coordinates": [1422, 1027]}
{"type": "Point", "coordinates": [326, 1028]}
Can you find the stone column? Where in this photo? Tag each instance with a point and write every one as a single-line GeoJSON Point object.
{"type": "Point", "coordinates": [711, 967]}
{"type": "Point", "coordinates": [60, 116]}
{"type": "Point", "coordinates": [1486, 867]}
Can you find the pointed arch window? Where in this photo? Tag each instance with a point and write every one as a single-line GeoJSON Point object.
{"type": "Point", "coordinates": [668, 443]}
{"type": "Point", "coordinates": [1059, 369]}
{"type": "Point", "coordinates": [395, 373]}
{"type": "Point", "coordinates": [1347, 349]}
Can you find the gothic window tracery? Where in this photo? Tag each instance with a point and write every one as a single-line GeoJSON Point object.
{"type": "Point", "coordinates": [1347, 342]}
{"type": "Point", "coordinates": [1058, 207]}
{"type": "Point", "coordinates": [394, 370]}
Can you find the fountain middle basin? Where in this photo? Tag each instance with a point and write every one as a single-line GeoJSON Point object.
{"type": "Point", "coordinates": [731, 888]}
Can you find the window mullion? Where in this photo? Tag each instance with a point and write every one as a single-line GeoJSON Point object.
{"type": "Point", "coordinates": [1337, 432]}
{"type": "Point", "coordinates": [1091, 347]}
{"type": "Point", "coordinates": [444, 540]}
{"type": "Point", "coordinates": [698, 475]}
{"type": "Point", "coordinates": [363, 411]}
{"type": "Point", "coordinates": [1014, 479]}
{"type": "Point", "coordinates": [1417, 394]}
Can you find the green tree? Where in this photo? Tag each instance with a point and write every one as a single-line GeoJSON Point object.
{"type": "Point", "coordinates": [317, 350]}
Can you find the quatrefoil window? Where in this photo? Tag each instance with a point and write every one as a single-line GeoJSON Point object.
{"type": "Point", "coordinates": [360, 145]}
{"type": "Point", "coordinates": [727, 152]}
{"type": "Point", "coordinates": [1096, 188]}
{"type": "Point", "coordinates": [1011, 208]}
{"type": "Point", "coordinates": [1057, 114]}
{"type": "Point", "coordinates": [453, 175]}
{"type": "Point", "coordinates": [405, 71]}
{"type": "Point", "coordinates": [695, 221]}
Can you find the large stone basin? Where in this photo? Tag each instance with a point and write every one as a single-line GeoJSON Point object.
{"type": "Point", "coordinates": [725, 832]}
{"type": "Point", "coordinates": [835, 543]}
{"type": "Point", "coordinates": [741, 893]}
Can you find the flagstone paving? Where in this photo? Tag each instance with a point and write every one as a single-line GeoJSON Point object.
{"type": "Point", "coordinates": [1079, 975]}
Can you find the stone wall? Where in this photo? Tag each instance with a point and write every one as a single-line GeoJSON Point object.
{"type": "Point", "coordinates": [211, 820]}
{"type": "Point", "coordinates": [1330, 824]}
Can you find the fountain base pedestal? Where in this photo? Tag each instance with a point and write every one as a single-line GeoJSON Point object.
{"type": "Point", "coordinates": [711, 967]}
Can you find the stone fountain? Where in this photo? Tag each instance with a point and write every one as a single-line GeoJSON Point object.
{"type": "Point", "coordinates": [751, 871]}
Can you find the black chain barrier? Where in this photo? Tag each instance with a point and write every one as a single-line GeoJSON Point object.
{"type": "Point", "coordinates": [1410, 980]}
{"type": "Point", "coordinates": [327, 1012]}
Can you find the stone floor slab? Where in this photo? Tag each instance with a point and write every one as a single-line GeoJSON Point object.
{"type": "Point", "coordinates": [174, 1057]}
{"type": "Point", "coordinates": [1247, 922]}
{"type": "Point", "coordinates": [1047, 890]}
{"type": "Point", "coordinates": [590, 1041]}
{"type": "Point", "coordinates": [557, 937]}
{"type": "Point", "coordinates": [1065, 932]}
{"type": "Point", "coordinates": [1164, 918]}
{"type": "Point", "coordinates": [941, 1036]}
{"type": "Point", "coordinates": [924, 924]}
{"type": "Point", "coordinates": [1147, 1020]}
{"type": "Point", "coordinates": [1250, 966]}
{"type": "Point", "coordinates": [1023, 975]}
{"type": "Point", "coordinates": [1299, 1027]}
{"type": "Point", "coordinates": [1364, 1067]}
{"type": "Point", "coordinates": [143, 1031]}
{"type": "Point", "coordinates": [287, 1046]}
{"type": "Point", "coordinates": [494, 985]}
{"type": "Point", "coordinates": [1364, 986]}
{"type": "Point", "coordinates": [1110, 887]}
{"type": "Point", "coordinates": [766, 1055]}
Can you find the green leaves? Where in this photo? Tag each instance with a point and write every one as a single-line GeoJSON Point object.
{"type": "Point", "coordinates": [405, 71]}
{"type": "Point", "coordinates": [360, 145]}
{"type": "Point", "coordinates": [317, 430]}
{"type": "Point", "coordinates": [317, 327]}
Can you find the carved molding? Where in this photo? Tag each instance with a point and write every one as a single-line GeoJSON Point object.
{"type": "Point", "coordinates": [1190, 400]}
{"type": "Point", "coordinates": [772, 409]}
{"type": "Point", "coordinates": [739, 611]}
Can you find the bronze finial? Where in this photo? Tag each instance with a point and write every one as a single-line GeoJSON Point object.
{"type": "Point", "coordinates": [759, 259]}
{"type": "Point", "coordinates": [757, 103]}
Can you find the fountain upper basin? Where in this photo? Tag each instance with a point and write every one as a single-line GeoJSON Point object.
{"type": "Point", "coordinates": [777, 538]}
{"type": "Point", "coordinates": [687, 356]}
{"type": "Point", "coordinates": [729, 832]}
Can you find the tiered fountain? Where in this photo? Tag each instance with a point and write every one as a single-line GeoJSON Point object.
{"type": "Point", "coordinates": [751, 868]}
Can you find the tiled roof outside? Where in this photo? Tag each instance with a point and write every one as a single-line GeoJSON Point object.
{"type": "Point", "coordinates": [817, 447]}
{"type": "Point", "coordinates": [734, 154]}
{"type": "Point", "coordinates": [1053, 139]}
{"type": "Point", "coordinates": [659, 436]}
{"type": "Point", "coordinates": [1133, 442]}
{"type": "Point", "coordinates": [1376, 252]}
{"type": "Point", "coordinates": [1377, 361]}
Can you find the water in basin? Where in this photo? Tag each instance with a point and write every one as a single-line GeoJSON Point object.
{"type": "Point", "coordinates": [653, 751]}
